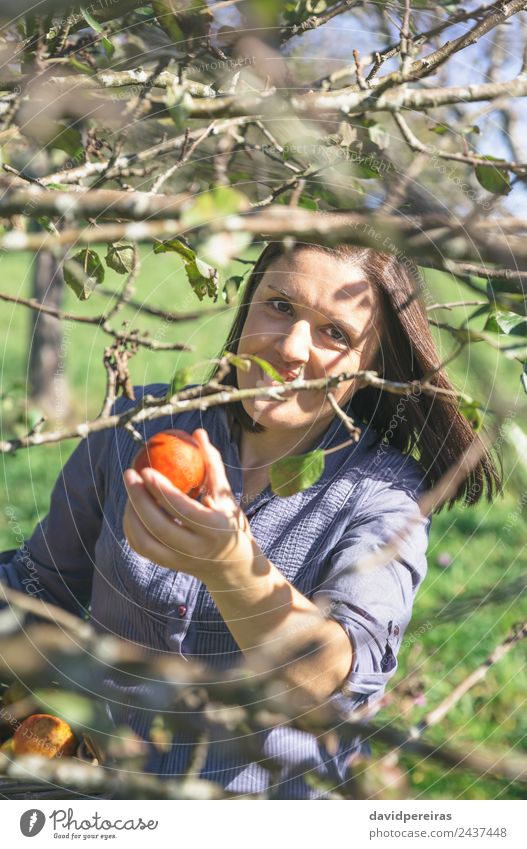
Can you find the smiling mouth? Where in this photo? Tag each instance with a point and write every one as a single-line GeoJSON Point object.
{"type": "Point", "coordinates": [266, 380]}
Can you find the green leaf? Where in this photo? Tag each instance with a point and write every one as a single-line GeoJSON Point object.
{"type": "Point", "coordinates": [231, 287]}
{"type": "Point", "coordinates": [120, 257]}
{"type": "Point", "coordinates": [308, 203]}
{"type": "Point", "coordinates": [506, 295]}
{"type": "Point", "coordinates": [363, 171]}
{"type": "Point", "coordinates": [60, 187]}
{"type": "Point", "coordinates": [473, 128]}
{"type": "Point", "coordinates": [182, 377]}
{"type": "Point", "coordinates": [109, 49]}
{"type": "Point", "coordinates": [67, 139]}
{"type": "Point", "coordinates": [202, 277]}
{"type": "Point", "coordinates": [90, 20]}
{"type": "Point", "coordinates": [512, 349]}
{"type": "Point", "coordinates": [506, 322]}
{"type": "Point", "coordinates": [264, 14]}
{"type": "Point", "coordinates": [294, 474]}
{"type": "Point", "coordinates": [83, 272]}
{"type": "Point", "coordinates": [266, 367]}
{"type": "Point", "coordinates": [217, 203]}
{"type": "Point", "coordinates": [241, 362]}
{"type": "Point", "coordinates": [47, 224]}
{"type": "Point", "coordinates": [472, 411]}
{"type": "Point", "coordinates": [71, 707]}
{"type": "Point", "coordinates": [73, 62]}
{"type": "Point", "coordinates": [238, 362]}
{"type": "Point", "coordinates": [179, 104]}
{"type": "Point", "coordinates": [494, 180]}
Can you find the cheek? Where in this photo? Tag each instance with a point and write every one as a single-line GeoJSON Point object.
{"type": "Point", "coordinates": [337, 363]}
{"type": "Point", "coordinates": [258, 331]}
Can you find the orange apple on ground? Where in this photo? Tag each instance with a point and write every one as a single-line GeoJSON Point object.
{"type": "Point", "coordinates": [177, 455]}
{"type": "Point", "coordinates": [44, 734]}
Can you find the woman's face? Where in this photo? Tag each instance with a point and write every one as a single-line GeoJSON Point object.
{"type": "Point", "coordinates": [314, 311]}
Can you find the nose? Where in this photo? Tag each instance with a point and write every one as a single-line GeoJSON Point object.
{"type": "Point", "coordinates": [294, 346]}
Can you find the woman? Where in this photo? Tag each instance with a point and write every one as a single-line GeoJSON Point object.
{"type": "Point", "coordinates": [246, 573]}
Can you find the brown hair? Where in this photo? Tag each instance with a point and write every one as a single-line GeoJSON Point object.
{"type": "Point", "coordinates": [432, 429]}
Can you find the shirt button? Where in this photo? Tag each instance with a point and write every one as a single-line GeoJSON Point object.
{"type": "Point", "coordinates": [396, 631]}
{"type": "Point", "coordinates": [182, 609]}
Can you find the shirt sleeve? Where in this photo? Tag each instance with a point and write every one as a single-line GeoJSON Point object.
{"type": "Point", "coordinates": [56, 563]}
{"type": "Point", "coordinates": [373, 603]}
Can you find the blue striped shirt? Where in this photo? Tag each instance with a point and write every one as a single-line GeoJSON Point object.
{"type": "Point", "coordinates": [80, 559]}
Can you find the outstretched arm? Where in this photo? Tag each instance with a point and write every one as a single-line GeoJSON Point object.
{"type": "Point", "coordinates": [274, 625]}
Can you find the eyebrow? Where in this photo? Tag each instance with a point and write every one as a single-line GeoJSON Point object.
{"type": "Point", "coordinates": [338, 321]}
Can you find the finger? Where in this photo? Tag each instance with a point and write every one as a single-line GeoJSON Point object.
{"type": "Point", "coordinates": [218, 485]}
{"type": "Point", "coordinates": [174, 501]}
{"type": "Point", "coordinates": [132, 477]}
{"type": "Point", "coordinates": [145, 544]}
{"type": "Point", "coordinates": [157, 522]}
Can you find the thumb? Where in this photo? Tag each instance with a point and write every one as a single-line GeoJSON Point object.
{"type": "Point", "coordinates": [217, 484]}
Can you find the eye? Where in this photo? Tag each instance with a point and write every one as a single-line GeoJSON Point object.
{"type": "Point", "coordinates": [276, 302]}
{"type": "Point", "coordinates": [340, 337]}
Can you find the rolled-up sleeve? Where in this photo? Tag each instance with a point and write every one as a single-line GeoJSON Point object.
{"type": "Point", "coordinates": [373, 603]}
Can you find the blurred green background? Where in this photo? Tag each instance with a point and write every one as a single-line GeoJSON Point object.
{"type": "Point", "coordinates": [474, 591]}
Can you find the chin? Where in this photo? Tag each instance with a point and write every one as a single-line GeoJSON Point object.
{"type": "Point", "coordinates": [281, 414]}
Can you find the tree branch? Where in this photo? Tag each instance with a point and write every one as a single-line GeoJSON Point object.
{"type": "Point", "coordinates": [316, 21]}
{"type": "Point", "coordinates": [101, 321]}
{"type": "Point", "coordinates": [425, 237]}
{"type": "Point", "coordinates": [150, 408]}
{"type": "Point", "coordinates": [436, 715]}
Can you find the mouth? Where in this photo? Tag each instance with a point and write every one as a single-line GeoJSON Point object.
{"type": "Point", "coordinates": [288, 375]}
{"type": "Point", "coordinates": [267, 380]}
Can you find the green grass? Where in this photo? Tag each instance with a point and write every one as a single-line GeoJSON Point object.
{"type": "Point", "coordinates": [461, 613]}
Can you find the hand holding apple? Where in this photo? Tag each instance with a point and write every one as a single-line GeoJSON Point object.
{"type": "Point", "coordinates": [210, 539]}
{"type": "Point", "coordinates": [177, 456]}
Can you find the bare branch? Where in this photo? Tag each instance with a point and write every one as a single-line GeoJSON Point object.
{"type": "Point", "coordinates": [426, 238]}
{"type": "Point", "coordinates": [150, 408]}
{"type": "Point", "coordinates": [110, 79]}
{"type": "Point", "coordinates": [474, 160]}
{"type": "Point", "coordinates": [126, 161]}
{"type": "Point", "coordinates": [101, 321]}
{"type": "Point", "coordinates": [498, 13]}
{"type": "Point", "coordinates": [349, 424]}
{"type": "Point", "coordinates": [436, 715]}
{"type": "Point", "coordinates": [316, 21]}
{"type": "Point", "coordinates": [380, 57]}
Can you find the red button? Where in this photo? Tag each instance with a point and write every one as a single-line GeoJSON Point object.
{"type": "Point", "coordinates": [182, 609]}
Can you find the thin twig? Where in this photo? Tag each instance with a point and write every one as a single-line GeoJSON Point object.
{"type": "Point", "coordinates": [100, 321]}
{"type": "Point", "coordinates": [316, 21]}
{"type": "Point", "coordinates": [151, 408]}
{"type": "Point", "coordinates": [186, 153]}
{"type": "Point", "coordinates": [349, 424]}
{"type": "Point", "coordinates": [436, 715]}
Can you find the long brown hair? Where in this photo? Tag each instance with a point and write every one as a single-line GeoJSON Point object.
{"type": "Point", "coordinates": [432, 428]}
